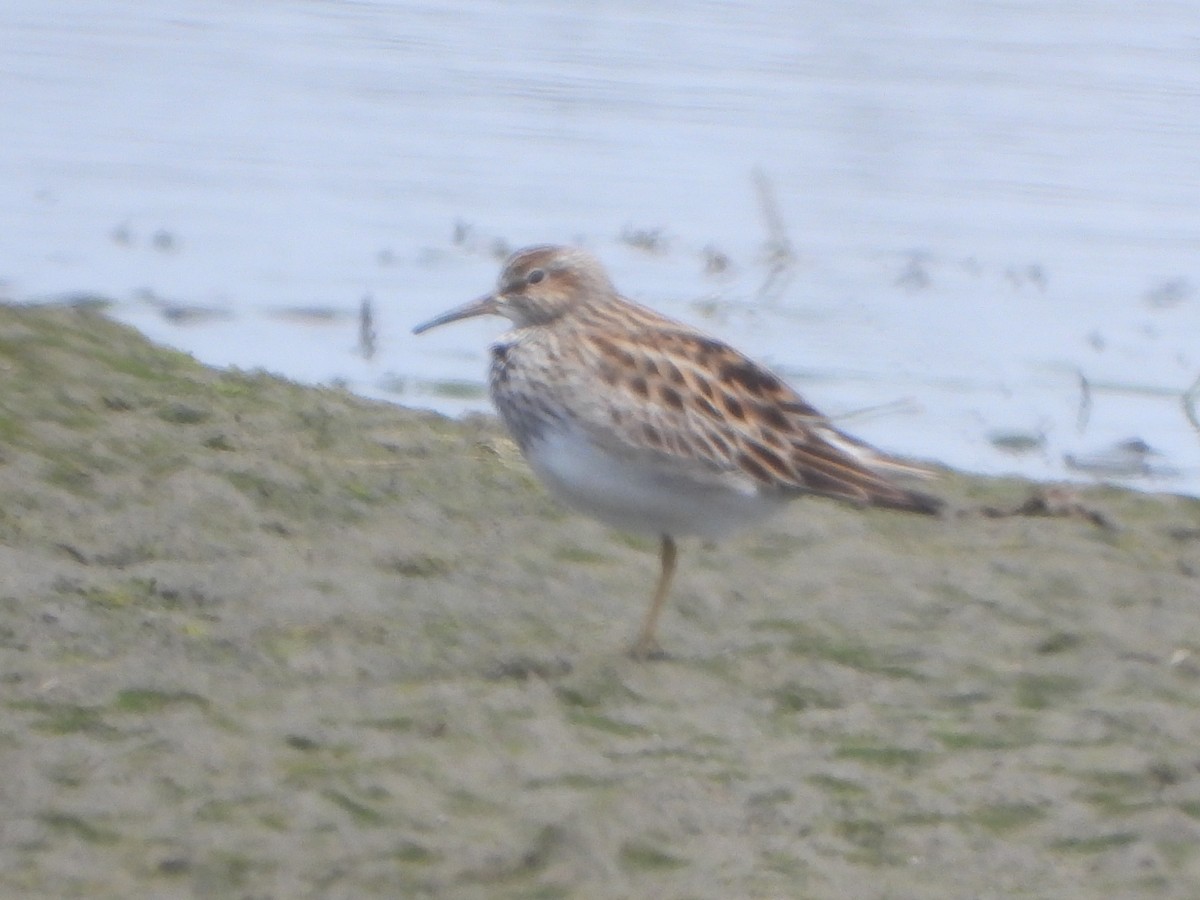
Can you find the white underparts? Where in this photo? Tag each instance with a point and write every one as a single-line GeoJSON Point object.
{"type": "Point", "coordinates": [642, 494]}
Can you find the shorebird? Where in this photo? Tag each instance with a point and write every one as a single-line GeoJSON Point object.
{"type": "Point", "coordinates": [651, 426]}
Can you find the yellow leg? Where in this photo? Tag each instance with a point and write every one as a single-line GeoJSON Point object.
{"type": "Point", "coordinates": [647, 644]}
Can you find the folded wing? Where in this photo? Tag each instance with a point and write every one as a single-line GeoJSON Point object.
{"type": "Point", "coordinates": [672, 392]}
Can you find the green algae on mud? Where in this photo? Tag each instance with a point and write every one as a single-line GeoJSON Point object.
{"type": "Point", "coordinates": [263, 639]}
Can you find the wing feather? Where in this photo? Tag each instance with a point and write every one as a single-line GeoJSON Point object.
{"type": "Point", "coordinates": [676, 394]}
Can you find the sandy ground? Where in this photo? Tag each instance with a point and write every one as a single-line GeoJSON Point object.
{"type": "Point", "coordinates": [266, 641]}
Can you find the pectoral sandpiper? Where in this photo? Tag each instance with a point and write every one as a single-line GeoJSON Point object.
{"type": "Point", "coordinates": [651, 426]}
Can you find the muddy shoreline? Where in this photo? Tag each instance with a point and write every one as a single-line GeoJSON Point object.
{"type": "Point", "coordinates": [265, 640]}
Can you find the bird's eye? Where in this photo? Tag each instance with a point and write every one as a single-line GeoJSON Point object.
{"type": "Point", "coordinates": [535, 276]}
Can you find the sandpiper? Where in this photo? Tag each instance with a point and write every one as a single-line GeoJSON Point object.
{"type": "Point", "coordinates": [652, 426]}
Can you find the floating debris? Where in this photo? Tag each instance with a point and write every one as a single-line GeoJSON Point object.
{"type": "Point", "coordinates": [178, 313]}
{"type": "Point", "coordinates": [1169, 293]}
{"type": "Point", "coordinates": [1019, 276]}
{"type": "Point", "coordinates": [1128, 459]}
{"type": "Point", "coordinates": [392, 383]}
{"type": "Point", "coordinates": [648, 240]}
{"type": "Point", "coordinates": [465, 236]}
{"type": "Point", "coordinates": [1057, 502]}
{"type": "Point", "coordinates": [122, 235]}
{"type": "Point", "coordinates": [310, 315]}
{"type": "Point", "coordinates": [1016, 442]}
{"type": "Point", "coordinates": [716, 262]}
{"type": "Point", "coordinates": [915, 276]}
{"type": "Point", "coordinates": [164, 241]}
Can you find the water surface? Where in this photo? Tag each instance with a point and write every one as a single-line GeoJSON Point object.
{"type": "Point", "coordinates": [994, 209]}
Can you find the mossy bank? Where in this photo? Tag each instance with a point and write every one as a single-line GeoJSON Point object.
{"type": "Point", "coordinates": [262, 640]}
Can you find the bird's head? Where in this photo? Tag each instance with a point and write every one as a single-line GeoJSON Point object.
{"type": "Point", "coordinates": [537, 286]}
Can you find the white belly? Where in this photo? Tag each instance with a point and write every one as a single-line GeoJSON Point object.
{"type": "Point", "coordinates": [644, 497]}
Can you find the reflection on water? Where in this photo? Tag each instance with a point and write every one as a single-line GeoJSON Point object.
{"type": "Point", "coordinates": [975, 221]}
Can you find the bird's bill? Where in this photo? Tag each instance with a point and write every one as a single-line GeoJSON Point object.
{"type": "Point", "coordinates": [483, 306]}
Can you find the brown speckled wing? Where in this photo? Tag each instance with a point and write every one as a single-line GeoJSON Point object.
{"type": "Point", "coordinates": [665, 389]}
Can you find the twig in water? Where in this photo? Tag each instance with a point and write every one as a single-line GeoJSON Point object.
{"type": "Point", "coordinates": [366, 328]}
{"type": "Point", "coordinates": [1085, 403]}
{"type": "Point", "coordinates": [781, 257]}
{"type": "Point", "coordinates": [906, 406]}
{"type": "Point", "coordinates": [1189, 398]}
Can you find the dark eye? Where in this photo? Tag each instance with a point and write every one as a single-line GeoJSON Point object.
{"type": "Point", "coordinates": [535, 276]}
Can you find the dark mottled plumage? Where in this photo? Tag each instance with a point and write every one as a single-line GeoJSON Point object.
{"type": "Point", "coordinates": [651, 425]}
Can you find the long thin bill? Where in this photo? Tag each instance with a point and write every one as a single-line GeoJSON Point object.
{"type": "Point", "coordinates": [483, 306]}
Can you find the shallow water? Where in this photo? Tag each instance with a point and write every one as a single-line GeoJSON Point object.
{"type": "Point", "coordinates": [994, 212]}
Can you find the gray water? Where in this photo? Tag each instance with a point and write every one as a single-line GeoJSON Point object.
{"type": "Point", "coordinates": [993, 208]}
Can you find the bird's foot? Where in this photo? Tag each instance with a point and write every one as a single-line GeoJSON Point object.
{"type": "Point", "coordinates": [648, 650]}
